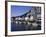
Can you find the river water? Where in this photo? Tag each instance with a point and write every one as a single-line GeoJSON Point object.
{"type": "Point", "coordinates": [23, 27]}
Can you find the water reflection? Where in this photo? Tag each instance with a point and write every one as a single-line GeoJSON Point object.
{"type": "Point", "coordinates": [24, 26]}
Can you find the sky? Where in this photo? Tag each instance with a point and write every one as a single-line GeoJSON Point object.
{"type": "Point", "coordinates": [19, 10]}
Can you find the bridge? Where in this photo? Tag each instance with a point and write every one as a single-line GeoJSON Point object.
{"type": "Point", "coordinates": [29, 20]}
{"type": "Point", "coordinates": [32, 17]}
